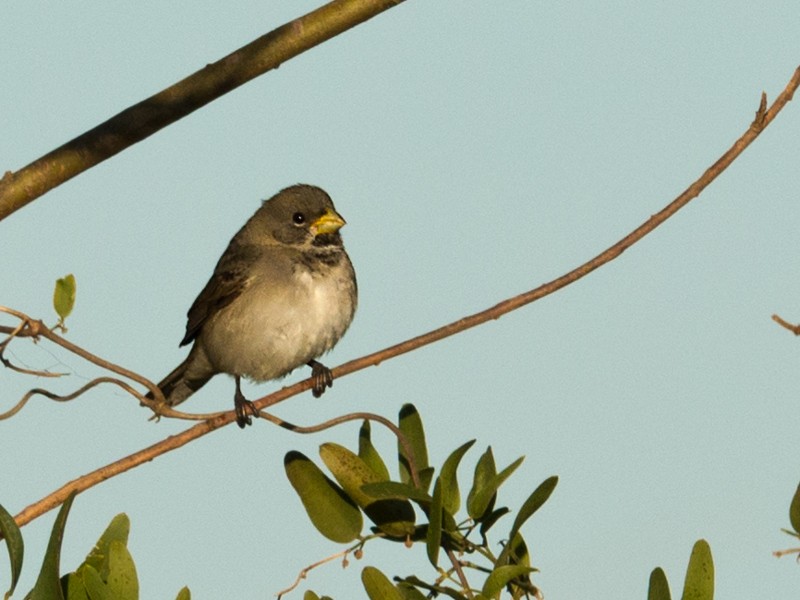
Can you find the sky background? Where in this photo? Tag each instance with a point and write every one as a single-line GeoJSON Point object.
{"type": "Point", "coordinates": [476, 152]}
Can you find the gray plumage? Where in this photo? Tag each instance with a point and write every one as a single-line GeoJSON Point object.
{"type": "Point", "coordinates": [282, 294]}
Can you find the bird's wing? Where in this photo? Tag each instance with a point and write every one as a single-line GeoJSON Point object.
{"type": "Point", "coordinates": [230, 278]}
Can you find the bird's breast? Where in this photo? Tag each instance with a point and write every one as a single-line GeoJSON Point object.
{"type": "Point", "coordinates": [271, 329]}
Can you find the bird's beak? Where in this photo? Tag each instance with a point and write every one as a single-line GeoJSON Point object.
{"type": "Point", "coordinates": [330, 222]}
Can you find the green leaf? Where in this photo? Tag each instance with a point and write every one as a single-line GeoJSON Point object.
{"type": "Point", "coordinates": [64, 296]}
{"type": "Point", "coordinates": [309, 595]}
{"type": "Point", "coordinates": [350, 471]}
{"type": "Point", "coordinates": [92, 583]}
{"type": "Point", "coordinates": [518, 555]}
{"type": "Point", "coordinates": [411, 425]}
{"type": "Point", "coordinates": [184, 594]}
{"type": "Point", "coordinates": [699, 583]}
{"type": "Point", "coordinates": [485, 472]}
{"type": "Point", "coordinates": [486, 484]}
{"type": "Point", "coordinates": [433, 539]}
{"type": "Point", "coordinates": [490, 517]}
{"type": "Point", "coordinates": [122, 582]}
{"type": "Point", "coordinates": [378, 586]}
{"type": "Point", "coordinates": [108, 570]}
{"type": "Point", "coordinates": [518, 551]}
{"type": "Point", "coordinates": [533, 503]}
{"type": "Point", "coordinates": [48, 584]}
{"type": "Point", "coordinates": [331, 511]}
{"type": "Point", "coordinates": [500, 577]}
{"type": "Point", "coordinates": [368, 453]}
{"type": "Point", "coordinates": [395, 490]}
{"type": "Point", "coordinates": [73, 587]}
{"type": "Point", "coordinates": [409, 592]}
{"type": "Point", "coordinates": [435, 589]}
{"type": "Point", "coordinates": [115, 580]}
{"type": "Point", "coordinates": [451, 496]}
{"type": "Point", "coordinates": [393, 517]}
{"type": "Point", "coordinates": [16, 548]}
{"type": "Point", "coordinates": [794, 511]}
{"type": "Point", "coordinates": [117, 531]}
{"type": "Point", "coordinates": [659, 587]}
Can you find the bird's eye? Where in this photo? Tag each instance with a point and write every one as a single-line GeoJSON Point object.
{"type": "Point", "coordinates": [298, 218]}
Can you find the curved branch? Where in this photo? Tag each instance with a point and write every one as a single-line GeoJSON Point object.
{"type": "Point", "coordinates": [175, 102]}
{"type": "Point", "coordinates": [29, 327]}
{"type": "Point", "coordinates": [356, 416]}
{"type": "Point", "coordinates": [763, 118]}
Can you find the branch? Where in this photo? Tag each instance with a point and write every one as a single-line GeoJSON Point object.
{"type": "Point", "coordinates": [763, 118]}
{"type": "Point", "coordinates": [141, 120]}
{"type": "Point", "coordinates": [780, 553]}
{"type": "Point", "coordinates": [795, 329]}
{"type": "Point", "coordinates": [356, 416]}
{"type": "Point", "coordinates": [304, 572]}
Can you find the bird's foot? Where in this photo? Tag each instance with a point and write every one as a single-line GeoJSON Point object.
{"type": "Point", "coordinates": [244, 409]}
{"type": "Point", "coordinates": [322, 377]}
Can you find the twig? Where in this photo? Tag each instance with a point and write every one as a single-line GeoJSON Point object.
{"type": "Point", "coordinates": [795, 329]}
{"type": "Point", "coordinates": [763, 118]}
{"type": "Point", "coordinates": [175, 102]}
{"type": "Point", "coordinates": [780, 553]}
{"type": "Point", "coordinates": [462, 578]}
{"type": "Point", "coordinates": [59, 398]}
{"type": "Point", "coordinates": [27, 327]}
{"type": "Point", "coordinates": [304, 572]}
{"type": "Point", "coordinates": [37, 328]}
{"type": "Point", "coordinates": [357, 416]}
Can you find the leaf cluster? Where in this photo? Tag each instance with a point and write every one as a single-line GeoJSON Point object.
{"type": "Point", "coordinates": [420, 508]}
{"type": "Point", "coordinates": [107, 573]}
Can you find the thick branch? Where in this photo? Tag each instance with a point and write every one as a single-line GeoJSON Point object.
{"type": "Point", "coordinates": [145, 118]}
{"type": "Point", "coordinates": [763, 118]}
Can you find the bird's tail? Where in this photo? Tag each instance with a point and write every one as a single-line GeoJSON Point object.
{"type": "Point", "coordinates": [183, 381]}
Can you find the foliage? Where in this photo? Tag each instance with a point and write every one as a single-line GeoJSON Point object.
{"type": "Point", "coordinates": [107, 573]}
{"type": "Point", "coordinates": [64, 298]}
{"type": "Point", "coordinates": [403, 510]}
{"type": "Point", "coordinates": [699, 582]}
{"type": "Point", "coordinates": [408, 510]}
{"type": "Point", "coordinates": [794, 521]}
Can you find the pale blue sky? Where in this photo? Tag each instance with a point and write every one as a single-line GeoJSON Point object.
{"type": "Point", "coordinates": [476, 151]}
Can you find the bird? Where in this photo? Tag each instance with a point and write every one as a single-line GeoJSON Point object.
{"type": "Point", "coordinates": [282, 294]}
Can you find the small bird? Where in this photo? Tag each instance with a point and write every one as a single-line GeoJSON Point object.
{"type": "Point", "coordinates": [282, 294]}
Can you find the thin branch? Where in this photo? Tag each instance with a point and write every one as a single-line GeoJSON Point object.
{"type": "Point", "coordinates": [795, 329]}
{"type": "Point", "coordinates": [763, 118]}
{"type": "Point", "coordinates": [175, 102]}
{"type": "Point", "coordinates": [37, 329]}
{"type": "Point", "coordinates": [780, 553]}
{"type": "Point", "coordinates": [59, 398]}
{"type": "Point", "coordinates": [462, 578]}
{"type": "Point", "coordinates": [304, 572]}
{"type": "Point", "coordinates": [29, 325]}
{"type": "Point", "coordinates": [26, 328]}
{"type": "Point", "coordinates": [356, 416]}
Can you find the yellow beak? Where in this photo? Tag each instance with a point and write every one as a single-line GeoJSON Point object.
{"type": "Point", "coordinates": [330, 222]}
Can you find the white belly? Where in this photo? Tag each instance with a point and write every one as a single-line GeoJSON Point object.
{"type": "Point", "coordinates": [265, 333]}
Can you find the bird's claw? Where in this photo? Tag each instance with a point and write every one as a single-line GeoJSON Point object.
{"type": "Point", "coordinates": [321, 376]}
{"type": "Point", "coordinates": [244, 409]}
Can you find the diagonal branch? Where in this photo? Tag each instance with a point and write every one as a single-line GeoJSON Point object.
{"type": "Point", "coordinates": [763, 118]}
{"type": "Point", "coordinates": [175, 102]}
